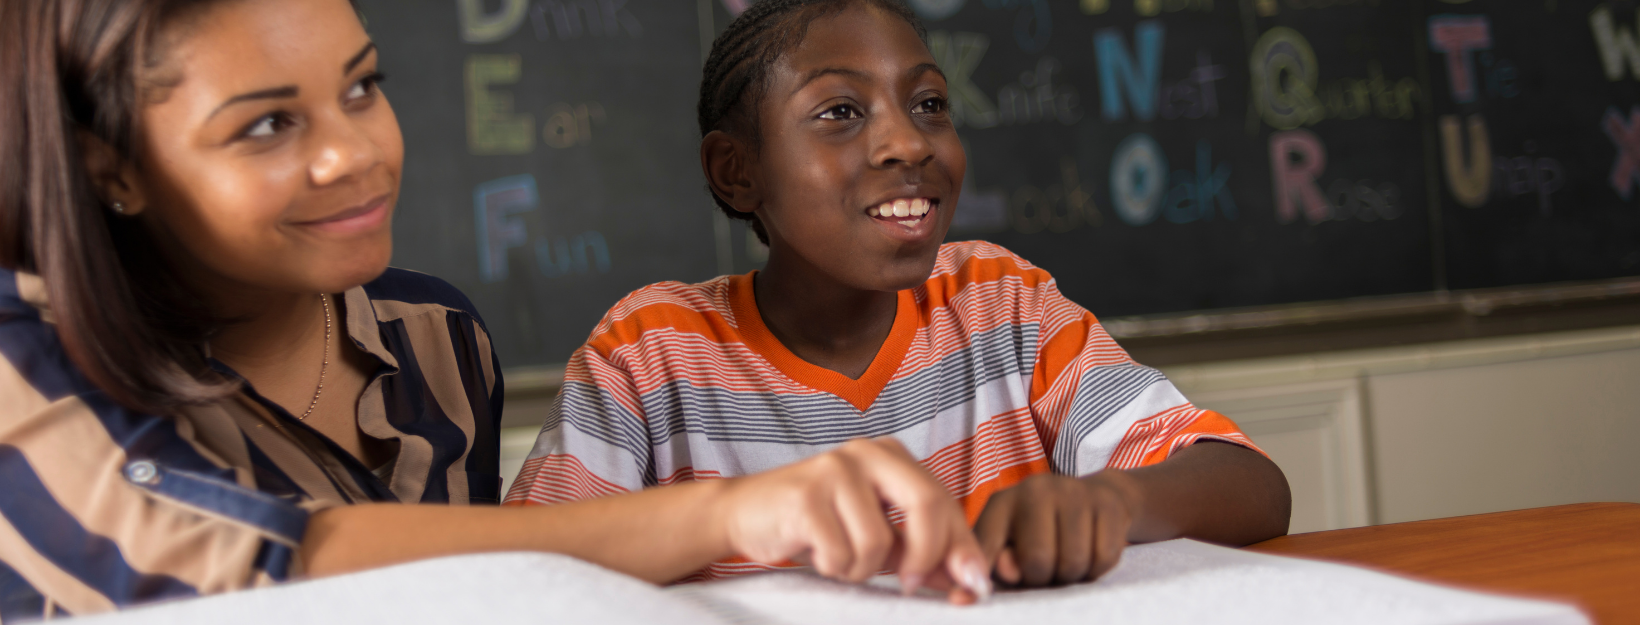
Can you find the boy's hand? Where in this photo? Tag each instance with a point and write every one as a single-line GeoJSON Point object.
{"type": "Point", "coordinates": [1052, 529]}
{"type": "Point", "coordinates": [829, 511]}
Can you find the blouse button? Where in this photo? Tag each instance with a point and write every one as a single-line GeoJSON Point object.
{"type": "Point", "coordinates": [142, 472]}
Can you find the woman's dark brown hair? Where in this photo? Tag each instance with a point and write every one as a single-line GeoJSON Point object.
{"type": "Point", "coordinates": [73, 70]}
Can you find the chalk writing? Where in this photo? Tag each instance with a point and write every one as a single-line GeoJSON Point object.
{"type": "Point", "coordinates": [933, 10]}
{"type": "Point", "coordinates": [582, 254]}
{"type": "Point", "coordinates": [1284, 69]}
{"type": "Point", "coordinates": [1138, 178]}
{"type": "Point", "coordinates": [1058, 208]}
{"type": "Point", "coordinates": [1618, 48]}
{"type": "Point", "coordinates": [1149, 8]}
{"type": "Point", "coordinates": [1194, 97]}
{"type": "Point", "coordinates": [984, 210]}
{"type": "Point", "coordinates": [1626, 136]}
{"type": "Point", "coordinates": [496, 205]}
{"type": "Point", "coordinates": [571, 125]}
{"type": "Point", "coordinates": [1297, 160]}
{"type": "Point", "coordinates": [1457, 36]}
{"type": "Point", "coordinates": [957, 55]}
{"type": "Point", "coordinates": [572, 18]}
{"type": "Point", "coordinates": [569, 19]}
{"type": "Point", "coordinates": [1267, 8]}
{"type": "Point", "coordinates": [1288, 92]}
{"type": "Point", "coordinates": [1036, 98]}
{"type": "Point", "coordinates": [1468, 178]}
{"type": "Point", "coordinates": [492, 126]}
{"type": "Point", "coordinates": [1033, 23]}
{"type": "Point", "coordinates": [1361, 199]}
{"type": "Point", "coordinates": [478, 26]}
{"type": "Point", "coordinates": [1194, 195]}
{"type": "Point", "coordinates": [1118, 69]}
{"type": "Point", "coordinates": [1529, 175]}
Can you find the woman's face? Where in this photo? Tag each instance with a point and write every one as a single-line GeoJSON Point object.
{"type": "Point", "coordinates": [854, 122]}
{"type": "Point", "coordinates": [273, 165]}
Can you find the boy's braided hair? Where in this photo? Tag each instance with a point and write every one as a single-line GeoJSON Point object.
{"type": "Point", "coordinates": [733, 82]}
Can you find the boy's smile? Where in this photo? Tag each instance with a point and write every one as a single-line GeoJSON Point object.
{"type": "Point", "coordinates": [858, 155]}
{"type": "Point", "coordinates": [909, 219]}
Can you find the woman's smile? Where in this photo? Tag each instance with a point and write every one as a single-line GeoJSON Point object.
{"type": "Point", "coordinates": [362, 218]}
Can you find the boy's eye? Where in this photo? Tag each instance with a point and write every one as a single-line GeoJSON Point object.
{"type": "Point", "coordinates": [841, 111]}
{"type": "Point", "coordinates": [929, 106]}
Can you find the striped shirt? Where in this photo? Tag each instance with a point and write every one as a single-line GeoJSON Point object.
{"type": "Point", "coordinates": [988, 376]}
{"type": "Point", "coordinates": [103, 507]}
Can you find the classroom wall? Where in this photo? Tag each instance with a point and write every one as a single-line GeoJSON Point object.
{"type": "Point", "coordinates": [1443, 429]}
{"type": "Point", "coordinates": [1506, 436]}
{"type": "Point", "coordinates": [1399, 433]}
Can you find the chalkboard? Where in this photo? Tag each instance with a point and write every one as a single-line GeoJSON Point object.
{"type": "Point", "coordinates": [1155, 155]}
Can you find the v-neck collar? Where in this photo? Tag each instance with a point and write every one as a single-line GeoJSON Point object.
{"type": "Point", "coordinates": [860, 393]}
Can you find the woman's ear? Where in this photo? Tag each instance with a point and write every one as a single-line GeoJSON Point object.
{"type": "Point", "coordinates": [116, 180]}
{"type": "Point", "coordinates": [728, 165]}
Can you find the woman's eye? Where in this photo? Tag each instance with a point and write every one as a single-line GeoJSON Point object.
{"type": "Point", "coordinates": [267, 126]}
{"type": "Point", "coordinates": [365, 87]}
{"type": "Point", "coordinates": [841, 111]}
{"type": "Point", "coordinates": [931, 105]}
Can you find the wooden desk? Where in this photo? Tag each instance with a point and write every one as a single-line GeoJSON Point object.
{"type": "Point", "coordinates": [1586, 553]}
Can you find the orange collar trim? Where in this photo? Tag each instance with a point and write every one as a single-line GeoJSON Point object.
{"type": "Point", "coordinates": [860, 393]}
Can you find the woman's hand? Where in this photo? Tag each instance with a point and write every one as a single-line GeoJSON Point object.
{"type": "Point", "coordinates": [1052, 529]}
{"type": "Point", "coordinates": [830, 511]}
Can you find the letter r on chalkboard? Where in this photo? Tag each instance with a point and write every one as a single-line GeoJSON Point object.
{"type": "Point", "coordinates": [496, 205]}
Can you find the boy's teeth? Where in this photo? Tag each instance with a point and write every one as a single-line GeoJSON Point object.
{"type": "Point", "coordinates": [901, 208]}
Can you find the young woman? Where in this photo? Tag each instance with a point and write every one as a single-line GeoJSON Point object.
{"type": "Point", "coordinates": [824, 123]}
{"type": "Point", "coordinates": [211, 379]}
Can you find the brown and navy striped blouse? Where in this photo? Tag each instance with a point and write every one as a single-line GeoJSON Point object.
{"type": "Point", "coordinates": [102, 507]}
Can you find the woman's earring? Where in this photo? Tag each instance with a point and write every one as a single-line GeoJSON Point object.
{"type": "Point", "coordinates": [119, 207]}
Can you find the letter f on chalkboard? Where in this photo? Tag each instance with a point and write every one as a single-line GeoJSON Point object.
{"type": "Point", "coordinates": [496, 205]}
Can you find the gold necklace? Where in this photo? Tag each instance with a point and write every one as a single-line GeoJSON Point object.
{"type": "Point", "coordinates": [323, 364]}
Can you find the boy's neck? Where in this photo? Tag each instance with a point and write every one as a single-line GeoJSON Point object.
{"type": "Point", "coordinates": [825, 323]}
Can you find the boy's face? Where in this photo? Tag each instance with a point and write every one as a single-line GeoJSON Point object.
{"type": "Point", "coordinates": [855, 122]}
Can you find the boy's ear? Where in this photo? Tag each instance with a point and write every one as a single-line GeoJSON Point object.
{"type": "Point", "coordinates": [116, 180]}
{"type": "Point", "coordinates": [728, 165]}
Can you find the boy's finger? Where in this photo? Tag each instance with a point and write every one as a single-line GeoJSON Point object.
{"type": "Point", "coordinates": [992, 527]}
{"type": "Point", "coordinates": [1035, 538]}
{"type": "Point", "coordinates": [1008, 567]}
{"type": "Point", "coordinates": [1076, 544]}
{"type": "Point", "coordinates": [1111, 537]}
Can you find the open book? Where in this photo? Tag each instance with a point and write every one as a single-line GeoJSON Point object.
{"type": "Point", "coordinates": [1178, 581]}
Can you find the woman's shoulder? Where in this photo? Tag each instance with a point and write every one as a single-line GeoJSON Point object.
{"type": "Point", "coordinates": [400, 293]}
{"type": "Point", "coordinates": [35, 364]}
